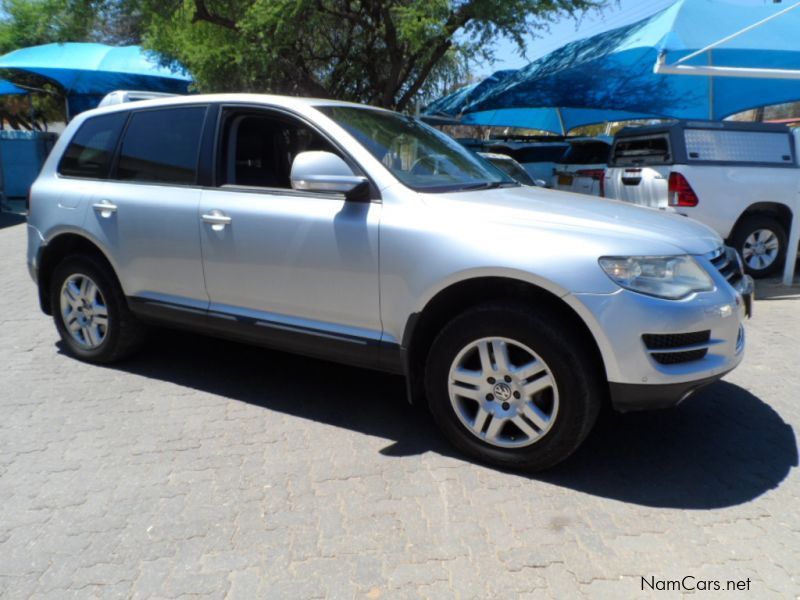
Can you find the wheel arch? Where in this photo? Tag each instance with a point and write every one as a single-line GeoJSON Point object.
{"type": "Point", "coordinates": [778, 211]}
{"type": "Point", "coordinates": [58, 248]}
{"type": "Point", "coordinates": [423, 326]}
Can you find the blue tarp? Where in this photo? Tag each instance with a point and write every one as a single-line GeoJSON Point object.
{"type": "Point", "coordinates": [614, 70]}
{"type": "Point", "coordinates": [87, 72]}
{"type": "Point", "coordinates": [7, 89]}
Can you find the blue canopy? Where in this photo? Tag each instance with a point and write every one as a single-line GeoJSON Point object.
{"type": "Point", "coordinates": [7, 89]}
{"type": "Point", "coordinates": [87, 72]}
{"type": "Point", "coordinates": [557, 120]}
{"type": "Point", "coordinates": [613, 71]}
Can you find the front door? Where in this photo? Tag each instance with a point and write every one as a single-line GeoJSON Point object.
{"type": "Point", "coordinates": [297, 269]}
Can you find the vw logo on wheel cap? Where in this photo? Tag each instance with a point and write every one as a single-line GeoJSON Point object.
{"type": "Point", "coordinates": [502, 391]}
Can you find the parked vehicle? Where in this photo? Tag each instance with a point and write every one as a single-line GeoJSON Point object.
{"type": "Point", "coordinates": [326, 229]}
{"type": "Point", "coordinates": [510, 167]}
{"type": "Point", "coordinates": [582, 168]}
{"type": "Point", "coordinates": [538, 158]}
{"type": "Point", "coordinates": [741, 179]}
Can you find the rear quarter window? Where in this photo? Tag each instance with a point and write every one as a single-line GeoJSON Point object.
{"type": "Point", "coordinates": [91, 150]}
{"type": "Point", "coordinates": [651, 150]}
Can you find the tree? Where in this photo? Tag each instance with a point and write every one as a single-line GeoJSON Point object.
{"type": "Point", "coordinates": [390, 53]}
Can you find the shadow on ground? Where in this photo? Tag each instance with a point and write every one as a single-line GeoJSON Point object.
{"type": "Point", "coordinates": [721, 448]}
{"type": "Point", "coordinates": [9, 219]}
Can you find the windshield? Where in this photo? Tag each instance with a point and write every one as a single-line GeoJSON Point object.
{"type": "Point", "coordinates": [421, 157]}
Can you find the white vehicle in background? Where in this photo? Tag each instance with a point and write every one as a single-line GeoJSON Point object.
{"type": "Point", "coordinates": [582, 169]}
{"type": "Point", "coordinates": [741, 179]}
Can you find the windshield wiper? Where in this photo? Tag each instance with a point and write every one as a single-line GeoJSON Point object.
{"type": "Point", "coordinates": [488, 185]}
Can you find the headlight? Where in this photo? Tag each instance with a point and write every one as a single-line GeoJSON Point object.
{"type": "Point", "coordinates": [672, 277]}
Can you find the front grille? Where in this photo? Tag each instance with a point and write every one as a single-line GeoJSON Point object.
{"type": "Point", "coordinates": [656, 341]}
{"type": "Point", "coordinates": [677, 348]}
{"type": "Point", "coordinates": [675, 358]}
{"type": "Point", "coordinates": [727, 263]}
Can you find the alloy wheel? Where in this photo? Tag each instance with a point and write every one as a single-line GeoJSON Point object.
{"type": "Point", "coordinates": [503, 392]}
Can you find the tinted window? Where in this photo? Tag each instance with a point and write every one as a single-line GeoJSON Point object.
{"type": "Point", "coordinates": [90, 152]}
{"type": "Point", "coordinates": [161, 146]}
{"type": "Point", "coordinates": [645, 150]}
{"type": "Point", "coordinates": [587, 153]}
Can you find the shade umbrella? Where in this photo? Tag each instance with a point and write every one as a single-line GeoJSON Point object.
{"type": "Point", "coordinates": [555, 119]}
{"type": "Point", "coordinates": [87, 72]}
{"type": "Point", "coordinates": [615, 70]}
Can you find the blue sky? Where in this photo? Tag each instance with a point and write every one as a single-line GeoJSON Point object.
{"type": "Point", "coordinates": [567, 30]}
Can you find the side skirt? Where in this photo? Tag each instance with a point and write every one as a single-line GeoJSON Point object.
{"type": "Point", "coordinates": [316, 343]}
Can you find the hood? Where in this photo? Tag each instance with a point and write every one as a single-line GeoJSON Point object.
{"type": "Point", "coordinates": [654, 231]}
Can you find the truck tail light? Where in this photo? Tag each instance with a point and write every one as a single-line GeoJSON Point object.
{"type": "Point", "coordinates": [597, 175]}
{"type": "Point", "coordinates": [680, 192]}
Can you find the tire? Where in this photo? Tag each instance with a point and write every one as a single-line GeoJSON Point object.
{"type": "Point", "coordinates": [92, 341]}
{"type": "Point", "coordinates": [571, 404]}
{"type": "Point", "coordinates": [760, 229]}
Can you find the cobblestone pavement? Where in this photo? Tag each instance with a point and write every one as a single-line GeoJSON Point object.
{"type": "Point", "coordinates": [208, 469]}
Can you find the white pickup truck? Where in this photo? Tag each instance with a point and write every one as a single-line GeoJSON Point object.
{"type": "Point", "coordinates": [741, 179]}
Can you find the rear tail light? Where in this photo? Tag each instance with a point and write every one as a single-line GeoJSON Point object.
{"type": "Point", "coordinates": [597, 175]}
{"type": "Point", "coordinates": [680, 192]}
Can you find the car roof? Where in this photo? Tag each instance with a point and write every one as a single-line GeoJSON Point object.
{"type": "Point", "coordinates": [265, 99]}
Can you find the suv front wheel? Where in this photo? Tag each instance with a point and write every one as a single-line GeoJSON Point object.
{"type": "Point", "coordinates": [513, 388]}
{"type": "Point", "coordinates": [90, 311]}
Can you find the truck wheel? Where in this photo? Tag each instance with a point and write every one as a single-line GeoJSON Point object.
{"type": "Point", "coordinates": [761, 242]}
{"type": "Point", "coordinates": [90, 311]}
{"type": "Point", "coordinates": [513, 388]}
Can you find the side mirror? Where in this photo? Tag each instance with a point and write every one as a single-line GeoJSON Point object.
{"type": "Point", "coordinates": [317, 171]}
{"type": "Point", "coordinates": [540, 183]}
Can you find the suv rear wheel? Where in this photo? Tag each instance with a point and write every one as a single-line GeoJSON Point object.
{"type": "Point", "coordinates": [90, 311]}
{"type": "Point", "coordinates": [761, 242]}
{"type": "Point", "coordinates": [512, 388]}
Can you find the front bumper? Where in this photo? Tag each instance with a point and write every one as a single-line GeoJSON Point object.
{"type": "Point", "coordinates": [627, 397]}
{"type": "Point", "coordinates": [658, 352]}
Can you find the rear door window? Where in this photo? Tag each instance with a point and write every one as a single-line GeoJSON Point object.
{"type": "Point", "coordinates": [90, 152]}
{"type": "Point", "coordinates": [162, 146]}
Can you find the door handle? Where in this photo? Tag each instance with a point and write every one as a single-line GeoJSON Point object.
{"type": "Point", "coordinates": [105, 208]}
{"type": "Point", "coordinates": [217, 219]}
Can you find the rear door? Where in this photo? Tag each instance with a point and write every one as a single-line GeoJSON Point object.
{"type": "Point", "coordinates": [639, 171]}
{"type": "Point", "coordinates": [145, 216]}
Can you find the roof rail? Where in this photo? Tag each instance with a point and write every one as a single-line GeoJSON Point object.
{"type": "Point", "coordinates": [123, 96]}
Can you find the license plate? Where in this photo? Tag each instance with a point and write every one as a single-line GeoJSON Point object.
{"type": "Point", "coordinates": [565, 180]}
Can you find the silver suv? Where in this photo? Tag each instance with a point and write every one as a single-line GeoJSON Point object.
{"type": "Point", "coordinates": [362, 236]}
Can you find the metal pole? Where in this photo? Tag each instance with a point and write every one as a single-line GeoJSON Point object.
{"type": "Point", "coordinates": [710, 88]}
{"type": "Point", "coordinates": [794, 240]}
{"type": "Point", "coordinates": [737, 34]}
{"type": "Point", "coordinates": [561, 121]}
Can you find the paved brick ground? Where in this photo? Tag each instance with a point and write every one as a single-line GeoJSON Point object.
{"type": "Point", "coordinates": [208, 469]}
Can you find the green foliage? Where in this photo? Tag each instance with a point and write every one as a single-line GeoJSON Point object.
{"type": "Point", "coordinates": [392, 53]}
